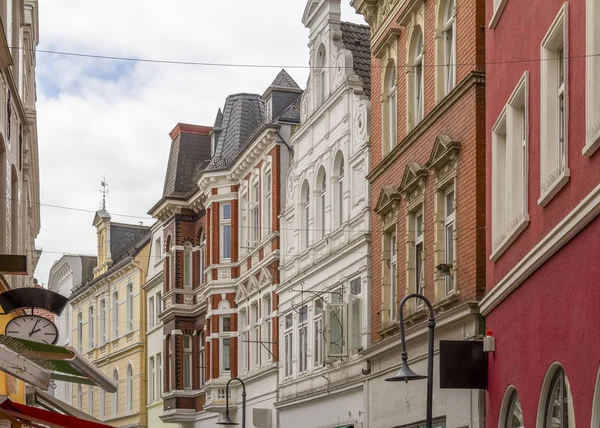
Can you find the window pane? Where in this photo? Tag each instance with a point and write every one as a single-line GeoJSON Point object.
{"type": "Point", "coordinates": [355, 286]}
{"type": "Point", "coordinates": [514, 418]}
{"type": "Point", "coordinates": [450, 204]}
{"type": "Point", "coordinates": [226, 211]}
{"type": "Point", "coordinates": [226, 324]}
{"type": "Point", "coordinates": [226, 366]}
{"type": "Point", "coordinates": [226, 241]}
{"type": "Point", "coordinates": [288, 321]}
{"type": "Point", "coordinates": [336, 339]}
{"type": "Point", "coordinates": [419, 225]}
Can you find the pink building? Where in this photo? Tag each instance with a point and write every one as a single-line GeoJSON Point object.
{"type": "Point", "coordinates": [543, 194]}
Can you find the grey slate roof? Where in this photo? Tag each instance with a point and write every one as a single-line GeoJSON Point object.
{"type": "Point", "coordinates": [243, 114]}
{"type": "Point", "coordinates": [356, 38]}
{"type": "Point", "coordinates": [123, 237]}
{"type": "Point", "coordinates": [187, 151]}
{"type": "Point", "coordinates": [88, 263]}
{"type": "Point", "coordinates": [219, 119]}
{"type": "Point", "coordinates": [292, 113]}
{"type": "Point", "coordinates": [284, 81]}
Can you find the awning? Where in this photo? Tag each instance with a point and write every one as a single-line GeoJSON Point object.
{"type": "Point", "coordinates": [39, 417]}
{"type": "Point", "coordinates": [63, 363]}
{"type": "Point", "coordinates": [53, 404]}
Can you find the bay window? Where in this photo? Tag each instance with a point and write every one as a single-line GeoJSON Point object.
{"type": "Point", "coordinates": [187, 265]}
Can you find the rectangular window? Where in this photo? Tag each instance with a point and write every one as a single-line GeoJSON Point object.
{"type": "Point", "coordinates": [393, 277]}
{"type": "Point", "coordinates": [288, 345]}
{"type": "Point", "coordinates": [202, 359]}
{"type": "Point", "coordinates": [158, 250]}
{"type": "Point", "coordinates": [80, 332]}
{"type": "Point", "coordinates": [151, 377]}
{"type": "Point", "coordinates": [449, 238]}
{"type": "Point", "coordinates": [244, 346]}
{"type": "Point", "coordinates": [225, 324]}
{"type": "Point", "coordinates": [268, 214]}
{"type": "Point", "coordinates": [90, 397]}
{"type": "Point", "coordinates": [187, 361]}
{"type": "Point", "coordinates": [509, 170]}
{"type": "Point", "coordinates": [554, 171]}
{"type": "Point", "coordinates": [592, 86]}
{"type": "Point", "coordinates": [158, 307]}
{"type": "Point", "coordinates": [337, 329]}
{"type": "Point", "coordinates": [419, 276]}
{"type": "Point", "coordinates": [267, 325]}
{"type": "Point", "coordinates": [91, 328]}
{"type": "Point", "coordinates": [255, 317]}
{"type": "Point", "coordinates": [201, 257]}
{"type": "Point", "coordinates": [355, 316]}
{"type": "Point", "coordinates": [159, 375]}
{"type": "Point", "coordinates": [318, 334]}
{"type": "Point", "coordinates": [254, 216]}
{"type": "Point", "coordinates": [225, 361]}
{"type": "Point", "coordinates": [187, 266]}
{"type": "Point", "coordinates": [225, 232]}
{"type": "Point", "coordinates": [103, 321]}
{"type": "Point", "coordinates": [303, 339]}
{"type": "Point", "coordinates": [129, 307]}
{"type": "Point", "coordinates": [115, 314]}
{"type": "Point", "coordinates": [151, 308]}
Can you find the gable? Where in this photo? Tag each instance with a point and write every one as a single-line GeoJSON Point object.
{"type": "Point", "coordinates": [414, 176]}
{"type": "Point", "coordinates": [388, 196]}
{"type": "Point", "coordinates": [444, 151]}
{"type": "Point", "coordinates": [311, 6]}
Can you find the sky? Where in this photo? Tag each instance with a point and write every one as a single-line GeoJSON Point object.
{"type": "Point", "coordinates": [100, 118]}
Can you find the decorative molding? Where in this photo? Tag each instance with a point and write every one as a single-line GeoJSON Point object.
{"type": "Point", "coordinates": [572, 224]}
{"type": "Point", "coordinates": [444, 151]}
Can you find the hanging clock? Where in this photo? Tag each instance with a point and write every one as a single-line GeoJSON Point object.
{"type": "Point", "coordinates": [33, 327]}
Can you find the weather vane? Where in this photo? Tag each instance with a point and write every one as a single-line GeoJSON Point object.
{"type": "Point", "coordinates": [104, 192]}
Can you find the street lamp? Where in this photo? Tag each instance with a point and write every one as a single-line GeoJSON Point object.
{"type": "Point", "coordinates": [227, 420]}
{"type": "Point", "coordinates": [406, 374]}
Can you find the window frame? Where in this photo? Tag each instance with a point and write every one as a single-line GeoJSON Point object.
{"type": "Point", "coordinates": [103, 336]}
{"type": "Point", "coordinates": [339, 174]}
{"type": "Point", "coordinates": [267, 328]}
{"type": "Point", "coordinates": [355, 314]}
{"type": "Point", "coordinates": [159, 375]}
{"type": "Point", "coordinates": [288, 339]}
{"type": "Point", "coordinates": [305, 215]}
{"type": "Point", "coordinates": [115, 314]}
{"type": "Point", "coordinates": [449, 26]}
{"type": "Point", "coordinates": [318, 331]}
{"type": "Point", "coordinates": [320, 76]}
{"type": "Point", "coordinates": [303, 340]}
{"type": "Point", "coordinates": [268, 202]}
{"type": "Point", "coordinates": [417, 82]}
{"type": "Point", "coordinates": [115, 395]}
{"type": "Point", "coordinates": [393, 239]}
{"type": "Point", "coordinates": [390, 107]}
{"type": "Point", "coordinates": [509, 219]}
{"type": "Point", "coordinates": [151, 312]}
{"type": "Point", "coordinates": [419, 241]}
{"type": "Point", "coordinates": [151, 380]}
{"type": "Point", "coordinates": [129, 307]}
{"type": "Point", "coordinates": [91, 327]}
{"type": "Point", "coordinates": [188, 266]}
{"type": "Point", "coordinates": [80, 332]}
{"type": "Point", "coordinates": [224, 224]}
{"type": "Point", "coordinates": [321, 202]}
{"type": "Point", "coordinates": [188, 371]}
{"type": "Point", "coordinates": [558, 377]}
{"type": "Point", "coordinates": [554, 108]}
{"type": "Point", "coordinates": [449, 247]}
{"type": "Point", "coordinates": [201, 359]}
{"type": "Point", "coordinates": [129, 388]}
{"type": "Point", "coordinates": [254, 214]}
{"type": "Point", "coordinates": [592, 85]}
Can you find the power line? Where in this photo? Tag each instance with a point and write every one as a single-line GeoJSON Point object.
{"type": "Point", "coordinates": [288, 66]}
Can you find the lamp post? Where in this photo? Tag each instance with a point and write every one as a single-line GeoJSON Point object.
{"type": "Point", "coordinates": [227, 421]}
{"type": "Point", "coordinates": [406, 374]}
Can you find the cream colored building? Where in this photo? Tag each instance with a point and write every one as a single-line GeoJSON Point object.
{"type": "Point", "coordinates": [109, 325]}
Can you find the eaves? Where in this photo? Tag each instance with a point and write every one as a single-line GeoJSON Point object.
{"type": "Point", "coordinates": [475, 78]}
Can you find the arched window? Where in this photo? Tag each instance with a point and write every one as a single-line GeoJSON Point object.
{"type": "Point", "coordinates": [304, 214]}
{"type": "Point", "coordinates": [187, 265]}
{"type": "Point", "coordinates": [390, 107]}
{"type": "Point", "coordinates": [115, 396]}
{"type": "Point", "coordinates": [129, 388]}
{"type": "Point", "coordinates": [320, 75]}
{"type": "Point", "coordinates": [512, 413]}
{"type": "Point", "coordinates": [321, 203]}
{"type": "Point", "coordinates": [338, 166]}
{"type": "Point", "coordinates": [558, 410]}
{"type": "Point", "coordinates": [449, 30]}
{"type": "Point", "coordinates": [416, 89]}
{"type": "Point", "coordinates": [202, 256]}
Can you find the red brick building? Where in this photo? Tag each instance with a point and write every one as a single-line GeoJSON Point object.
{"type": "Point", "coordinates": [222, 198]}
{"type": "Point", "coordinates": [427, 178]}
{"type": "Point", "coordinates": [543, 193]}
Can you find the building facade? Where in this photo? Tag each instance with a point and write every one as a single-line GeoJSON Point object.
{"type": "Point", "coordinates": [19, 163]}
{"type": "Point", "coordinates": [325, 262]}
{"type": "Point", "coordinates": [428, 198]}
{"type": "Point", "coordinates": [67, 273]}
{"type": "Point", "coordinates": [108, 325]}
{"type": "Point", "coordinates": [222, 240]}
{"type": "Point", "coordinates": [543, 193]}
{"type": "Point", "coordinates": [153, 289]}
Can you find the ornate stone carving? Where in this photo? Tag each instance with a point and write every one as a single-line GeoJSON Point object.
{"type": "Point", "coordinates": [361, 123]}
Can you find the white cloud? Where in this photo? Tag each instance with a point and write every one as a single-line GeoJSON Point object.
{"type": "Point", "coordinates": [101, 118]}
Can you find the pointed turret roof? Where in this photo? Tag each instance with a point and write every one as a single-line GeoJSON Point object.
{"type": "Point", "coordinates": [284, 81]}
{"type": "Point", "coordinates": [219, 119]}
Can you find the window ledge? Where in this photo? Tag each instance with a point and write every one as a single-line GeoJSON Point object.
{"type": "Point", "coordinates": [511, 235]}
{"type": "Point", "coordinates": [497, 14]}
{"type": "Point", "coordinates": [551, 191]}
{"type": "Point", "coordinates": [592, 143]}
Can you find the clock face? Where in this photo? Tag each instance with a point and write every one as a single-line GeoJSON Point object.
{"type": "Point", "coordinates": [33, 327]}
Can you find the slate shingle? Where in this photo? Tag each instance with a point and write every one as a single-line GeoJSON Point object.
{"type": "Point", "coordinates": [356, 38]}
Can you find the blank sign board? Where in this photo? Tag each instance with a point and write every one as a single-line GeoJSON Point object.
{"type": "Point", "coordinates": [463, 364]}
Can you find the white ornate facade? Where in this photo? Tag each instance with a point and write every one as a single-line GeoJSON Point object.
{"type": "Point", "coordinates": [324, 298]}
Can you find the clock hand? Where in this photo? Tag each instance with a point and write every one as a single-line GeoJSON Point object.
{"type": "Point", "coordinates": [33, 330]}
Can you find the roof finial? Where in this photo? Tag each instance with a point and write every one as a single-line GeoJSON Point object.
{"type": "Point", "coordinates": [104, 192]}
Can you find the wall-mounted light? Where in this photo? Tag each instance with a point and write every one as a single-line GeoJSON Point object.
{"type": "Point", "coordinates": [489, 342]}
